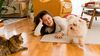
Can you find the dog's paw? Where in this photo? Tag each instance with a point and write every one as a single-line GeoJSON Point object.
{"type": "Point", "coordinates": [71, 42]}
{"type": "Point", "coordinates": [81, 46]}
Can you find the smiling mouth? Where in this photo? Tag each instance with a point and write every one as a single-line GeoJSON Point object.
{"type": "Point", "coordinates": [49, 23]}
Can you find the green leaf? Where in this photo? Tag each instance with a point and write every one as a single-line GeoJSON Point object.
{"type": "Point", "coordinates": [1, 4]}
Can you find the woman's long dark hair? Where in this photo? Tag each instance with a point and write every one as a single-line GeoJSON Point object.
{"type": "Point", "coordinates": [37, 20]}
{"type": "Point", "coordinates": [40, 15]}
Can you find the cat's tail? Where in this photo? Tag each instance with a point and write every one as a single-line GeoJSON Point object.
{"type": "Point", "coordinates": [22, 49]}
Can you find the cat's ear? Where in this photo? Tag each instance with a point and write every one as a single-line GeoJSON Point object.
{"type": "Point", "coordinates": [20, 37]}
{"type": "Point", "coordinates": [19, 34]}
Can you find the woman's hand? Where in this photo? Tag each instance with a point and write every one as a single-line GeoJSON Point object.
{"type": "Point", "coordinates": [37, 31]}
{"type": "Point", "coordinates": [41, 22]}
{"type": "Point", "coordinates": [59, 35]}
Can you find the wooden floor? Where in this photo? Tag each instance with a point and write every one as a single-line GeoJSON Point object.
{"type": "Point", "coordinates": [37, 48]}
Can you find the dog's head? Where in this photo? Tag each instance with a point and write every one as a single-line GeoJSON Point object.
{"type": "Point", "coordinates": [75, 22]}
{"type": "Point", "coordinates": [76, 25]}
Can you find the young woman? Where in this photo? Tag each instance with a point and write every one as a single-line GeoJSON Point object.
{"type": "Point", "coordinates": [46, 24]}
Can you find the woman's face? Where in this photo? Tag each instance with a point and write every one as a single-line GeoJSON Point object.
{"type": "Point", "coordinates": [47, 20]}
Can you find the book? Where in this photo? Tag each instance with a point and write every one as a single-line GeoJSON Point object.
{"type": "Point", "coordinates": [52, 38]}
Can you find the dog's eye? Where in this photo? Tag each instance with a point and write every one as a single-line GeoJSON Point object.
{"type": "Point", "coordinates": [75, 24]}
{"type": "Point", "coordinates": [80, 21]}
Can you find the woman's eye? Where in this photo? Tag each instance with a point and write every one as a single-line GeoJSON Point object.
{"type": "Point", "coordinates": [48, 18]}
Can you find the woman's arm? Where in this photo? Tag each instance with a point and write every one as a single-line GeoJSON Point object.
{"type": "Point", "coordinates": [64, 28]}
{"type": "Point", "coordinates": [62, 22]}
{"type": "Point", "coordinates": [37, 31]}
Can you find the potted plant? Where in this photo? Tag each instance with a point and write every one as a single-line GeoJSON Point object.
{"type": "Point", "coordinates": [1, 8]}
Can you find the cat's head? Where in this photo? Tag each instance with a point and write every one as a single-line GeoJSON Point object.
{"type": "Point", "coordinates": [17, 39]}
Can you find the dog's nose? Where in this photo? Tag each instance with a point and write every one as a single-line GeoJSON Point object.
{"type": "Point", "coordinates": [71, 28]}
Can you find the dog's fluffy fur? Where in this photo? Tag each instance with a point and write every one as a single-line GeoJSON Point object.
{"type": "Point", "coordinates": [76, 28]}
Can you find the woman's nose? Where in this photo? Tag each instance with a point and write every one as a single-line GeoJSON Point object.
{"type": "Point", "coordinates": [48, 21]}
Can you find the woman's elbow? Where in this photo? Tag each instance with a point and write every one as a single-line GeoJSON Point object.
{"type": "Point", "coordinates": [37, 34]}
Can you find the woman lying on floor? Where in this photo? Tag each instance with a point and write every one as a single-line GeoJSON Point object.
{"type": "Point", "coordinates": [46, 24]}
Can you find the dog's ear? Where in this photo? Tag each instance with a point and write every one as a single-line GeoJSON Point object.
{"type": "Point", "coordinates": [71, 17]}
{"type": "Point", "coordinates": [82, 21]}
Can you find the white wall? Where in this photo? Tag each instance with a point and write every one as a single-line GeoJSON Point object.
{"type": "Point", "coordinates": [76, 5]}
{"type": "Point", "coordinates": [93, 34]}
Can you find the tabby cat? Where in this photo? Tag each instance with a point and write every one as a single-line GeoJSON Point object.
{"type": "Point", "coordinates": [11, 46]}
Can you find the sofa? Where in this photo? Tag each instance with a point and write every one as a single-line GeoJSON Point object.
{"type": "Point", "coordinates": [55, 7]}
{"type": "Point", "coordinates": [14, 8]}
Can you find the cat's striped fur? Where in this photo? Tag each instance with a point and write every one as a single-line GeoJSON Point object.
{"type": "Point", "coordinates": [10, 46]}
